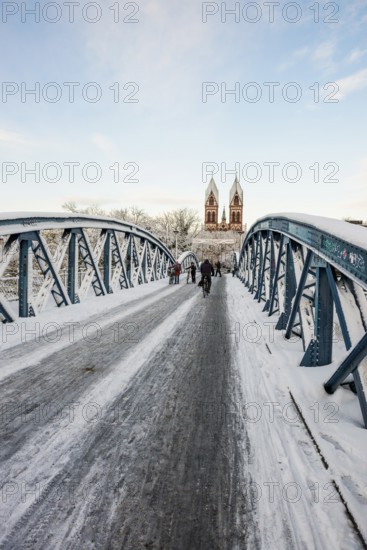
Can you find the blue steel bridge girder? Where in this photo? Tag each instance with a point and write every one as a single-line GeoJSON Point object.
{"type": "Point", "coordinates": [338, 308]}
{"type": "Point", "coordinates": [134, 255]}
{"type": "Point", "coordinates": [361, 393]}
{"type": "Point", "coordinates": [250, 264]}
{"type": "Point", "coordinates": [249, 261]}
{"type": "Point", "coordinates": [242, 264]}
{"type": "Point", "coordinates": [320, 349]}
{"type": "Point", "coordinates": [120, 273]}
{"type": "Point", "coordinates": [154, 263]}
{"type": "Point", "coordinates": [258, 265]}
{"type": "Point", "coordinates": [271, 268]}
{"type": "Point", "coordinates": [186, 259]}
{"type": "Point", "coordinates": [106, 254]}
{"type": "Point", "coordinates": [349, 366]}
{"type": "Point", "coordinates": [151, 258]}
{"type": "Point", "coordinates": [148, 264]}
{"type": "Point", "coordinates": [143, 262]}
{"type": "Point", "coordinates": [8, 253]}
{"type": "Point", "coordinates": [6, 312]}
{"type": "Point", "coordinates": [290, 284]}
{"type": "Point", "coordinates": [134, 262]}
{"type": "Point", "coordinates": [72, 280]}
{"type": "Point", "coordinates": [91, 263]}
{"type": "Point", "coordinates": [31, 245]}
{"type": "Point", "coordinates": [265, 267]}
{"type": "Point", "coordinates": [158, 271]}
{"type": "Point", "coordinates": [254, 260]}
{"type": "Point", "coordinates": [163, 264]}
{"type": "Point", "coordinates": [299, 294]}
{"type": "Point", "coordinates": [262, 262]}
{"type": "Point", "coordinates": [332, 273]}
{"type": "Point", "coordinates": [159, 264]}
{"type": "Point", "coordinates": [50, 268]}
{"type": "Point", "coordinates": [128, 258]}
{"type": "Point", "coordinates": [107, 259]}
{"type": "Point", "coordinates": [257, 260]}
{"type": "Point", "coordinates": [274, 295]}
{"type": "Point", "coordinates": [25, 276]}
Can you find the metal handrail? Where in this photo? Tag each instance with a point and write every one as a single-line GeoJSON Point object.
{"type": "Point", "coordinates": [347, 255]}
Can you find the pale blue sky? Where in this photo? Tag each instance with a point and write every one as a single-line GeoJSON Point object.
{"type": "Point", "coordinates": [170, 132]}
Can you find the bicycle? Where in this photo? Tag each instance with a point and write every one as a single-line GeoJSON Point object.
{"type": "Point", "coordinates": [205, 286]}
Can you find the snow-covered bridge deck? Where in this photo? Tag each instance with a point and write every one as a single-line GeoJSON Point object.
{"type": "Point", "coordinates": [165, 421]}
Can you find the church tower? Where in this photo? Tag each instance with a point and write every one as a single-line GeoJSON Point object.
{"type": "Point", "coordinates": [224, 225]}
{"type": "Point", "coordinates": [236, 206]}
{"type": "Point", "coordinates": [211, 206]}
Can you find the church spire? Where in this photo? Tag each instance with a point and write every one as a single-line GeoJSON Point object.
{"type": "Point", "coordinates": [236, 188]}
{"type": "Point", "coordinates": [212, 188]}
{"type": "Point", "coordinates": [224, 217]}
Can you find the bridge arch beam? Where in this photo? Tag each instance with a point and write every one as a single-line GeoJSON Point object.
{"type": "Point", "coordinates": [306, 269]}
{"type": "Point", "coordinates": [69, 257]}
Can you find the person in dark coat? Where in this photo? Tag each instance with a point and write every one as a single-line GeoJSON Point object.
{"type": "Point", "coordinates": [218, 266]}
{"type": "Point", "coordinates": [171, 274]}
{"type": "Point", "coordinates": [207, 269]}
{"type": "Point", "coordinates": [193, 272]}
{"type": "Point", "coordinates": [177, 268]}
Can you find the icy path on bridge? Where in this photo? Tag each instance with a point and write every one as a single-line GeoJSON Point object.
{"type": "Point", "coordinates": [297, 501]}
{"type": "Point", "coordinates": [161, 434]}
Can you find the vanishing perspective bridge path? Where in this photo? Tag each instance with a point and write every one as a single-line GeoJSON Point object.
{"type": "Point", "coordinates": [136, 414]}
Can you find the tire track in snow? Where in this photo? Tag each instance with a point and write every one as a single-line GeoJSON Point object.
{"type": "Point", "coordinates": [49, 451]}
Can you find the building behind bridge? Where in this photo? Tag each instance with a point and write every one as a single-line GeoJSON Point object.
{"type": "Point", "coordinates": [219, 238]}
{"type": "Point", "coordinates": [235, 220]}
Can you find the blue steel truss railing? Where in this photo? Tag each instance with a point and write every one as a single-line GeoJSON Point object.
{"type": "Point", "coordinates": [312, 272]}
{"type": "Point", "coordinates": [186, 259]}
{"type": "Point", "coordinates": [69, 256]}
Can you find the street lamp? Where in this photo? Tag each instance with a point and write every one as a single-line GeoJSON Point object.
{"type": "Point", "coordinates": [176, 233]}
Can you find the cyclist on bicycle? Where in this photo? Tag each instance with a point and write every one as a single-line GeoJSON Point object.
{"type": "Point", "coordinates": [206, 271]}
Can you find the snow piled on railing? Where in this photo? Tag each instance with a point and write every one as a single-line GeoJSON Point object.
{"type": "Point", "coordinates": [354, 234]}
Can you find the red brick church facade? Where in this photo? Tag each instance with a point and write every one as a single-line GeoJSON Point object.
{"type": "Point", "coordinates": [235, 222]}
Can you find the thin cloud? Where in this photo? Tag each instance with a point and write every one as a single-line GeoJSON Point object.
{"type": "Point", "coordinates": [295, 57]}
{"type": "Point", "coordinates": [104, 144]}
{"type": "Point", "coordinates": [356, 55]}
{"type": "Point", "coordinates": [323, 55]}
{"type": "Point", "coordinates": [352, 83]}
{"type": "Point", "coordinates": [163, 53]}
{"type": "Point", "coordinates": [11, 137]}
{"type": "Point", "coordinates": [324, 51]}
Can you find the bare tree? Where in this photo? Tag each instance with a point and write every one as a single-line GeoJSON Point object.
{"type": "Point", "coordinates": [132, 214]}
{"type": "Point", "coordinates": [184, 220]}
{"type": "Point", "coordinates": [93, 210]}
{"type": "Point", "coordinates": [70, 207]}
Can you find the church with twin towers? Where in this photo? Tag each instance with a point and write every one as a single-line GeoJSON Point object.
{"type": "Point", "coordinates": [235, 214]}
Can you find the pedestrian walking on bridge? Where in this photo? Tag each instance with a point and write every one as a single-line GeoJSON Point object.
{"type": "Point", "coordinates": [193, 272]}
{"type": "Point", "coordinates": [177, 268]}
{"type": "Point", "coordinates": [218, 266]}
